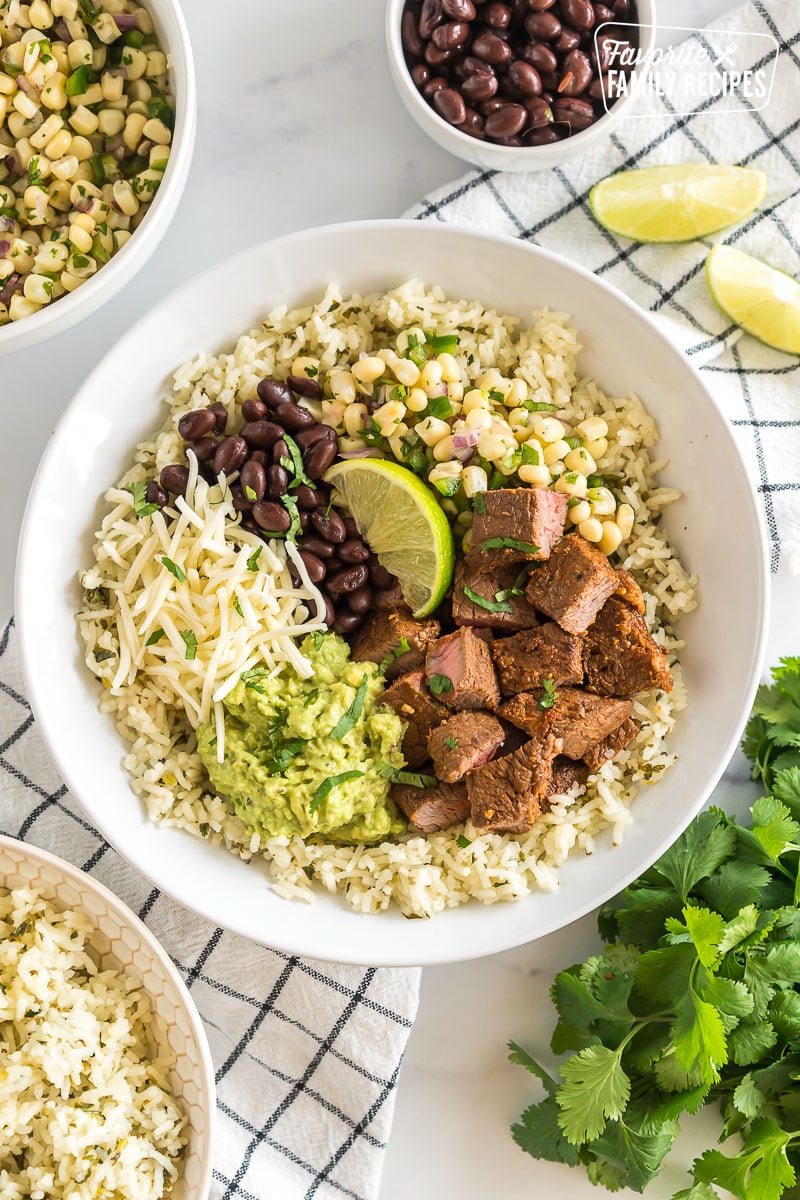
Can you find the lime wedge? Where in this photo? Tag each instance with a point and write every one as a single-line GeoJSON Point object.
{"type": "Point", "coordinates": [400, 519]}
{"type": "Point", "coordinates": [765, 302]}
{"type": "Point", "coordinates": [676, 203]}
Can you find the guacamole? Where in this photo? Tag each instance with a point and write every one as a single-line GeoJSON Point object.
{"type": "Point", "coordinates": [302, 756]}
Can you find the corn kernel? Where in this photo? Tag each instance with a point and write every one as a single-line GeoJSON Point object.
{"type": "Point", "coordinates": [611, 538]}
{"type": "Point", "coordinates": [572, 484]}
{"type": "Point", "coordinates": [580, 460]}
{"type": "Point", "coordinates": [368, 369]}
{"type": "Point", "coordinates": [444, 450]}
{"type": "Point", "coordinates": [475, 398]}
{"type": "Point", "coordinates": [535, 476]}
{"type": "Point", "coordinates": [624, 520]}
{"type": "Point", "coordinates": [602, 501]}
{"type": "Point", "coordinates": [580, 512]}
{"type": "Point", "coordinates": [517, 393]}
{"type": "Point", "coordinates": [555, 451]}
{"type": "Point", "coordinates": [432, 430]}
{"type": "Point", "coordinates": [592, 428]}
{"type": "Point", "coordinates": [406, 372]}
{"type": "Point", "coordinates": [548, 429]}
{"type": "Point", "coordinates": [592, 530]}
{"type": "Point", "coordinates": [451, 372]}
{"type": "Point", "coordinates": [416, 400]}
{"type": "Point", "coordinates": [474, 480]}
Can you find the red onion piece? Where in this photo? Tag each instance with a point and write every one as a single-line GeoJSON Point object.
{"type": "Point", "coordinates": [126, 21]}
{"type": "Point", "coordinates": [14, 284]}
{"type": "Point", "coordinates": [466, 440]}
{"type": "Point", "coordinates": [8, 225]}
{"type": "Point", "coordinates": [5, 246]}
{"type": "Point", "coordinates": [62, 30]}
{"type": "Point", "coordinates": [27, 87]}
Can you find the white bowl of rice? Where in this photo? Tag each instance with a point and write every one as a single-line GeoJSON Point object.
{"type": "Point", "coordinates": [583, 349]}
{"type": "Point", "coordinates": [107, 1084]}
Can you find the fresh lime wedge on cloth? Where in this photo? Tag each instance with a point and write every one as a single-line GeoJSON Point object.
{"type": "Point", "coordinates": [676, 203]}
{"type": "Point", "coordinates": [400, 519]}
{"type": "Point", "coordinates": [762, 300]}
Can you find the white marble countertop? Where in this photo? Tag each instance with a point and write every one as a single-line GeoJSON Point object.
{"type": "Point", "coordinates": [300, 125]}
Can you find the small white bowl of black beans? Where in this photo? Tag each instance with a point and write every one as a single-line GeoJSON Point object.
{"type": "Point", "coordinates": [518, 85]}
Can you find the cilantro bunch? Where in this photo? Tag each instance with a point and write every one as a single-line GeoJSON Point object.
{"type": "Point", "coordinates": [695, 998]}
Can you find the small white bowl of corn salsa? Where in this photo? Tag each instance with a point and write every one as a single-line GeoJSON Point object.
{"type": "Point", "coordinates": [97, 121]}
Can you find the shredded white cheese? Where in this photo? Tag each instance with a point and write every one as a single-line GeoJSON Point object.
{"type": "Point", "coordinates": [213, 612]}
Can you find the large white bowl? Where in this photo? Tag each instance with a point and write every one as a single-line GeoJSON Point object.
{"type": "Point", "coordinates": [55, 318]}
{"type": "Point", "coordinates": [120, 404]}
{"type": "Point", "coordinates": [123, 943]}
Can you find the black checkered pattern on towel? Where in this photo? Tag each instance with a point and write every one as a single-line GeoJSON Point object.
{"type": "Point", "coordinates": [307, 1054]}
{"type": "Point", "coordinates": [757, 388]}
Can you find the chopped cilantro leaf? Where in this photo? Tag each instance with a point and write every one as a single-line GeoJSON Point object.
{"type": "Point", "coordinates": [440, 684]}
{"type": "Point", "coordinates": [174, 569]}
{"type": "Point", "coordinates": [190, 639]}
{"type": "Point", "coordinates": [329, 784]}
{"type": "Point", "coordinates": [252, 562]}
{"type": "Point", "coordinates": [409, 778]}
{"type": "Point", "coordinates": [462, 842]}
{"type": "Point", "coordinates": [539, 406]}
{"type": "Point", "coordinates": [505, 543]}
{"type": "Point", "coordinates": [349, 718]}
{"type": "Point", "coordinates": [493, 606]}
{"type": "Point", "coordinates": [155, 637]}
{"type": "Point", "coordinates": [402, 647]}
{"type": "Point", "coordinates": [479, 503]}
{"type": "Point", "coordinates": [549, 694]}
{"type": "Point", "coordinates": [451, 743]}
{"type": "Point", "coordinates": [140, 505]}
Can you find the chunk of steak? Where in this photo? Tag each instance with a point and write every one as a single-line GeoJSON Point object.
{"type": "Point", "coordinates": [619, 655]}
{"type": "Point", "coordinates": [410, 699]}
{"type": "Point", "coordinates": [464, 742]}
{"type": "Point", "coordinates": [629, 590]}
{"type": "Point", "coordinates": [464, 661]}
{"type": "Point", "coordinates": [604, 751]}
{"type": "Point", "coordinates": [579, 718]}
{"type": "Point", "coordinates": [433, 808]}
{"type": "Point", "coordinates": [573, 584]}
{"type": "Point", "coordinates": [383, 633]}
{"type": "Point", "coordinates": [518, 614]}
{"type": "Point", "coordinates": [530, 516]}
{"type": "Point", "coordinates": [507, 794]}
{"type": "Point", "coordinates": [527, 659]}
{"type": "Point", "coordinates": [566, 773]}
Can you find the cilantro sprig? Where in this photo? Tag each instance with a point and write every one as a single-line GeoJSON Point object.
{"type": "Point", "coordinates": [694, 1000]}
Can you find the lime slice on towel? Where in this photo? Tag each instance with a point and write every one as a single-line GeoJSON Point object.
{"type": "Point", "coordinates": [676, 203]}
{"type": "Point", "coordinates": [765, 302]}
{"type": "Point", "coordinates": [400, 519]}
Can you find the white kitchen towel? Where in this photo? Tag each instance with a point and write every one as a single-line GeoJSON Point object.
{"type": "Point", "coordinates": [757, 388]}
{"type": "Point", "coordinates": [307, 1054]}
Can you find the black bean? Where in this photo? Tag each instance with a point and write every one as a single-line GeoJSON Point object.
{"type": "Point", "coordinates": [542, 26]}
{"type": "Point", "coordinates": [382, 578]}
{"type": "Point", "coordinates": [539, 112]}
{"type": "Point", "coordinates": [492, 49]}
{"type": "Point", "coordinates": [540, 5]}
{"type": "Point", "coordinates": [320, 433]}
{"type": "Point", "coordinates": [434, 85]}
{"type": "Point", "coordinates": [576, 113]}
{"type": "Point", "coordinates": [273, 392]}
{"type": "Point", "coordinates": [479, 86]}
{"type": "Point", "coordinates": [578, 13]}
{"type": "Point", "coordinates": [577, 74]}
{"type": "Point", "coordinates": [540, 56]}
{"type": "Point", "coordinates": [261, 434]}
{"type": "Point", "coordinates": [421, 74]}
{"type": "Point", "coordinates": [305, 521]}
{"type": "Point", "coordinates": [451, 36]}
{"type": "Point", "coordinates": [496, 15]}
{"type": "Point", "coordinates": [174, 479]}
{"type": "Point", "coordinates": [294, 418]}
{"type": "Point", "coordinates": [196, 424]}
{"type": "Point", "coordinates": [603, 14]}
{"type": "Point", "coordinates": [525, 78]}
{"type": "Point", "coordinates": [230, 454]}
{"type": "Point", "coordinates": [315, 566]}
{"type": "Point", "coordinates": [204, 448]}
{"type": "Point", "coordinates": [459, 10]}
{"type": "Point", "coordinates": [621, 8]}
{"type": "Point", "coordinates": [472, 124]}
{"type": "Point", "coordinates": [569, 39]}
{"type": "Point", "coordinates": [476, 66]}
{"type": "Point", "coordinates": [450, 105]}
{"type": "Point", "coordinates": [347, 622]}
{"type": "Point", "coordinates": [360, 601]}
{"type": "Point", "coordinates": [330, 611]}
{"type": "Point", "coordinates": [492, 106]}
{"type": "Point", "coordinates": [514, 140]}
{"type": "Point", "coordinates": [271, 516]}
{"type": "Point", "coordinates": [220, 415]}
{"type": "Point", "coordinates": [435, 57]}
{"type": "Point", "coordinates": [331, 527]}
{"type": "Point", "coordinates": [348, 580]}
{"type": "Point", "coordinates": [259, 456]}
{"type": "Point", "coordinates": [277, 481]}
{"type": "Point", "coordinates": [305, 385]}
{"type": "Point", "coordinates": [507, 121]}
{"type": "Point", "coordinates": [155, 494]}
{"type": "Point", "coordinates": [318, 458]}
{"type": "Point", "coordinates": [280, 451]}
{"type": "Point", "coordinates": [255, 410]}
{"type": "Point", "coordinates": [241, 501]}
{"type": "Point", "coordinates": [309, 498]}
{"type": "Point", "coordinates": [351, 527]}
{"type": "Point", "coordinates": [431, 16]}
{"type": "Point", "coordinates": [317, 545]}
{"type": "Point", "coordinates": [353, 551]}
{"type": "Point", "coordinates": [411, 39]}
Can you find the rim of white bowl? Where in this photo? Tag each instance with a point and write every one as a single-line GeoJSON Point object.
{"type": "Point", "coordinates": [77, 876]}
{"type": "Point", "coordinates": [67, 311]}
{"type": "Point", "coordinates": [27, 567]}
{"type": "Point", "coordinates": [464, 146]}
